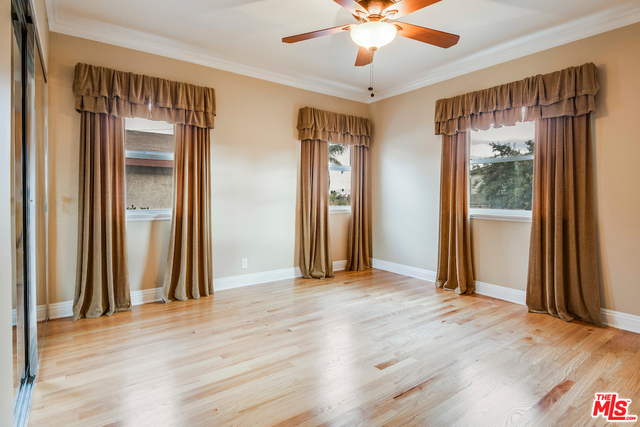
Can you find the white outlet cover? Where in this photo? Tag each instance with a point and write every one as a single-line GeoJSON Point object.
{"type": "Point", "coordinates": [245, 263]}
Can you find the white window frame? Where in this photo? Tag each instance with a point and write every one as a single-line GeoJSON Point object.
{"type": "Point", "coordinates": [134, 215]}
{"type": "Point", "coordinates": [498, 214]}
{"type": "Point", "coordinates": [339, 209]}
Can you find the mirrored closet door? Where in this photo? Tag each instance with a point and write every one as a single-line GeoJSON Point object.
{"type": "Point", "coordinates": [29, 207]}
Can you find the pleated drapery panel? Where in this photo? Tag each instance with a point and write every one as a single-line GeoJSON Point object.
{"type": "Point", "coordinates": [455, 265]}
{"type": "Point", "coordinates": [124, 94]}
{"type": "Point", "coordinates": [189, 269]}
{"type": "Point", "coordinates": [314, 124]}
{"type": "Point", "coordinates": [563, 269]}
{"type": "Point", "coordinates": [569, 92]}
{"type": "Point", "coordinates": [359, 251]}
{"type": "Point", "coordinates": [315, 243]}
{"type": "Point", "coordinates": [102, 276]}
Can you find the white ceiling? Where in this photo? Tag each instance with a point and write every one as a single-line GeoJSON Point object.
{"type": "Point", "coordinates": [244, 36]}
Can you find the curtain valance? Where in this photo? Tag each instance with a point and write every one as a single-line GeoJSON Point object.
{"type": "Point", "coordinates": [331, 127]}
{"type": "Point", "coordinates": [569, 92]}
{"type": "Point", "coordinates": [123, 94]}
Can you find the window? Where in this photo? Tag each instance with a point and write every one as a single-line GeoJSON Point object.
{"type": "Point", "coordinates": [149, 169]}
{"type": "Point", "coordinates": [501, 173]}
{"type": "Point", "coordinates": [339, 178]}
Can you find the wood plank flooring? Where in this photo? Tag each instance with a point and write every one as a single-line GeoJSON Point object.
{"type": "Point", "coordinates": [365, 348]}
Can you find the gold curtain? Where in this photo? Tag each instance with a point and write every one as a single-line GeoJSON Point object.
{"type": "Point", "coordinates": [563, 269]}
{"type": "Point", "coordinates": [123, 94]}
{"type": "Point", "coordinates": [563, 273]}
{"type": "Point", "coordinates": [331, 127]}
{"type": "Point", "coordinates": [315, 243]}
{"type": "Point", "coordinates": [569, 92]}
{"type": "Point", "coordinates": [189, 271]}
{"type": "Point", "coordinates": [316, 128]}
{"type": "Point", "coordinates": [455, 265]}
{"type": "Point", "coordinates": [102, 277]}
{"type": "Point", "coordinates": [359, 250]}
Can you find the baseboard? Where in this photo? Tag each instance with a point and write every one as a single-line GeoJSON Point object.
{"type": "Point", "coordinates": [339, 265]}
{"type": "Point", "coordinates": [615, 319]}
{"type": "Point", "coordinates": [405, 270]}
{"type": "Point", "coordinates": [62, 309]}
{"type": "Point", "coordinates": [146, 296]}
{"type": "Point", "coordinates": [41, 313]}
{"type": "Point", "coordinates": [65, 309]}
{"type": "Point", "coordinates": [234, 282]}
{"type": "Point", "coordinates": [501, 292]}
{"type": "Point", "coordinates": [58, 310]}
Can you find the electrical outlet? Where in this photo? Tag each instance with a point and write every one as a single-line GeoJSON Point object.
{"type": "Point", "coordinates": [245, 263]}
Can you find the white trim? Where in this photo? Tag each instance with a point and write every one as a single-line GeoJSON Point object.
{"type": "Point", "coordinates": [588, 26]}
{"type": "Point", "coordinates": [59, 310]}
{"type": "Point", "coordinates": [144, 42]}
{"type": "Point", "coordinates": [516, 296]}
{"type": "Point", "coordinates": [624, 321]}
{"type": "Point", "coordinates": [146, 296]}
{"type": "Point", "coordinates": [65, 309]}
{"type": "Point", "coordinates": [41, 313]}
{"type": "Point", "coordinates": [500, 215]}
{"type": "Point", "coordinates": [614, 319]}
{"type": "Point", "coordinates": [405, 270]}
{"type": "Point", "coordinates": [56, 311]}
{"type": "Point", "coordinates": [134, 215]}
{"type": "Point", "coordinates": [607, 20]}
{"type": "Point", "coordinates": [339, 209]}
{"type": "Point", "coordinates": [339, 265]}
{"type": "Point", "coordinates": [243, 280]}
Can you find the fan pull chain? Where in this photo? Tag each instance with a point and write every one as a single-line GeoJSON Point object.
{"type": "Point", "coordinates": [371, 76]}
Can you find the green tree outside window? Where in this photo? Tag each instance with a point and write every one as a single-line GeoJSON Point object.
{"type": "Point", "coordinates": [503, 185]}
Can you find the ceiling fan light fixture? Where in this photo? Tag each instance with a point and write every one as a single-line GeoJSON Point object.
{"type": "Point", "coordinates": [373, 35]}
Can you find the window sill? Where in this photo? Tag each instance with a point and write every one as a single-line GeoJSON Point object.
{"type": "Point", "coordinates": [339, 209]}
{"type": "Point", "coordinates": [500, 215]}
{"type": "Point", "coordinates": [149, 215]}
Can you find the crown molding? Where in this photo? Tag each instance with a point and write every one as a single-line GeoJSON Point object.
{"type": "Point", "coordinates": [144, 42]}
{"type": "Point", "coordinates": [588, 26]}
{"type": "Point", "coordinates": [591, 25]}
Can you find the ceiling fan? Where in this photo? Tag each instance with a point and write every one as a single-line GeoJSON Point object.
{"type": "Point", "coordinates": [375, 30]}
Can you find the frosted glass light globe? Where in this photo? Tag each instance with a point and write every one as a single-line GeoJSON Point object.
{"type": "Point", "coordinates": [373, 35]}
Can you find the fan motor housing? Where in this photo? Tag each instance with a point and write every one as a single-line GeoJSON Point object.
{"type": "Point", "coordinates": [375, 7]}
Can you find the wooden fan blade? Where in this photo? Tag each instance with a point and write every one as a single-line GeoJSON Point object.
{"type": "Point", "coordinates": [315, 34]}
{"type": "Point", "coordinates": [404, 7]}
{"type": "Point", "coordinates": [427, 35]}
{"type": "Point", "coordinates": [365, 57]}
{"type": "Point", "coordinates": [352, 6]}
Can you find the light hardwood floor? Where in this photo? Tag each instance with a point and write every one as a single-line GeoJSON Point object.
{"type": "Point", "coordinates": [367, 348]}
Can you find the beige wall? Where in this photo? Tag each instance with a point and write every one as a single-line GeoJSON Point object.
{"type": "Point", "coordinates": [6, 280]}
{"type": "Point", "coordinates": [148, 244]}
{"type": "Point", "coordinates": [255, 157]}
{"type": "Point", "coordinates": [256, 153]}
{"type": "Point", "coordinates": [406, 165]}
